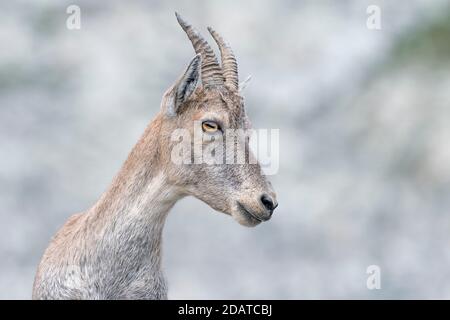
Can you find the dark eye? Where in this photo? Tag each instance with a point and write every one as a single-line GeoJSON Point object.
{"type": "Point", "coordinates": [210, 126]}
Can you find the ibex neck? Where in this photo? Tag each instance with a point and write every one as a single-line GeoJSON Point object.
{"type": "Point", "coordinates": [131, 214]}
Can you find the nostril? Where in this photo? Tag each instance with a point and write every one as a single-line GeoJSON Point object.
{"type": "Point", "coordinates": [268, 202]}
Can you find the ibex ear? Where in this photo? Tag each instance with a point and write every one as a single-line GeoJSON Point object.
{"type": "Point", "coordinates": [186, 84]}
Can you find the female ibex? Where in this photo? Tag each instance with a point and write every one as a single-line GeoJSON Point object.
{"type": "Point", "coordinates": [113, 250]}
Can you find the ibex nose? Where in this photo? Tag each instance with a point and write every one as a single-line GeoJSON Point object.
{"type": "Point", "coordinates": [269, 203]}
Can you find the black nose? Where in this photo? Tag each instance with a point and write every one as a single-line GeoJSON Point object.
{"type": "Point", "coordinates": [268, 202]}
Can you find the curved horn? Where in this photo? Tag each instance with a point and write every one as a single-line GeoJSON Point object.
{"type": "Point", "coordinates": [229, 64]}
{"type": "Point", "coordinates": [211, 71]}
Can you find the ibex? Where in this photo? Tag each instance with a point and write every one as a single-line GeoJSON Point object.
{"type": "Point", "coordinates": [113, 250]}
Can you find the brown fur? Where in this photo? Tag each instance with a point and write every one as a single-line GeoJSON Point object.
{"type": "Point", "coordinates": [113, 250]}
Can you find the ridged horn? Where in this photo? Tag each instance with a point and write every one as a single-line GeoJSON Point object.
{"type": "Point", "coordinates": [229, 64]}
{"type": "Point", "coordinates": [211, 71]}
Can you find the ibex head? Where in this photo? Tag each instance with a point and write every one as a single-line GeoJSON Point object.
{"type": "Point", "coordinates": [206, 112]}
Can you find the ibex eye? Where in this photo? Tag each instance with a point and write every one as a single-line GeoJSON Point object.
{"type": "Point", "coordinates": [210, 126]}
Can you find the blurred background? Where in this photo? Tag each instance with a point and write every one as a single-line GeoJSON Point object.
{"type": "Point", "coordinates": [364, 174]}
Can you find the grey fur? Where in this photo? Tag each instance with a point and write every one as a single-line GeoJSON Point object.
{"type": "Point", "coordinates": [113, 250]}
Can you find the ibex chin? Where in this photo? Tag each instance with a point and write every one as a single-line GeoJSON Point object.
{"type": "Point", "coordinates": [113, 250]}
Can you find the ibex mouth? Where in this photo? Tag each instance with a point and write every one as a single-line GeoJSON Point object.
{"type": "Point", "coordinates": [248, 213]}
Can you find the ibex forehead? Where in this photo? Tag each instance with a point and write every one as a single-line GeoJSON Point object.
{"type": "Point", "coordinates": [224, 105]}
